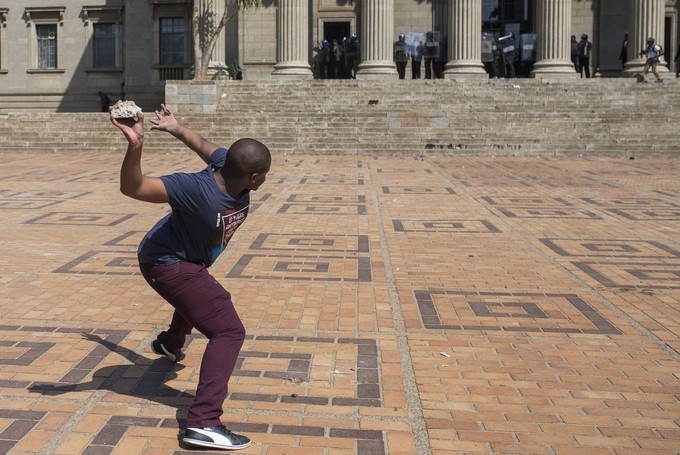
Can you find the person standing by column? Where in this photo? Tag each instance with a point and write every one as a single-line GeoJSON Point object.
{"type": "Point", "coordinates": [352, 54]}
{"type": "Point", "coordinates": [325, 60]}
{"type": "Point", "coordinates": [585, 48]}
{"type": "Point", "coordinates": [623, 56]}
{"type": "Point", "coordinates": [442, 56]}
{"type": "Point", "coordinates": [574, 52]}
{"type": "Point", "coordinates": [401, 55]}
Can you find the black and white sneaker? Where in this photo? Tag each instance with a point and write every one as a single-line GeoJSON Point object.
{"type": "Point", "coordinates": [160, 349]}
{"type": "Point", "coordinates": [215, 437]}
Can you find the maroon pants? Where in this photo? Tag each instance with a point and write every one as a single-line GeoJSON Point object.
{"type": "Point", "coordinates": [200, 302]}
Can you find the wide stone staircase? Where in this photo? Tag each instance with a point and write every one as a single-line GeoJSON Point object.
{"type": "Point", "coordinates": [367, 117]}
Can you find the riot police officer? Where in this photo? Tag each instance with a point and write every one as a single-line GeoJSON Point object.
{"type": "Point", "coordinates": [401, 55]}
{"type": "Point", "coordinates": [431, 53]}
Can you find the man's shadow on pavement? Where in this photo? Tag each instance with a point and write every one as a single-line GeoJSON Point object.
{"type": "Point", "coordinates": [143, 378]}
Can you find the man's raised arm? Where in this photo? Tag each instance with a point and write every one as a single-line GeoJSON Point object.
{"type": "Point", "coordinates": [133, 182]}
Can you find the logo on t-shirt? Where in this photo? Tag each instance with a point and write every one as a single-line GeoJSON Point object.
{"type": "Point", "coordinates": [230, 221]}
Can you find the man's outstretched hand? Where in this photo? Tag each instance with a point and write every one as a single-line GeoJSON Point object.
{"type": "Point", "coordinates": [164, 121]}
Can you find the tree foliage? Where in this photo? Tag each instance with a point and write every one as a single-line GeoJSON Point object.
{"type": "Point", "coordinates": [207, 27]}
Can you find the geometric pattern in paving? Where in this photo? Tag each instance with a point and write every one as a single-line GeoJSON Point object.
{"type": "Point", "coordinates": [339, 258]}
{"type": "Point", "coordinates": [22, 424]}
{"type": "Point", "coordinates": [393, 305]}
{"type": "Point", "coordinates": [650, 214]}
{"type": "Point", "coordinates": [323, 204]}
{"type": "Point", "coordinates": [102, 262]}
{"type": "Point", "coordinates": [24, 199]}
{"type": "Point", "coordinates": [517, 312]}
{"type": "Point", "coordinates": [638, 208]}
{"type": "Point", "coordinates": [298, 367]}
{"type": "Point", "coordinates": [608, 248]}
{"type": "Point", "coordinates": [538, 207]}
{"type": "Point", "coordinates": [323, 209]}
{"type": "Point", "coordinates": [638, 275]}
{"type": "Point", "coordinates": [80, 218]}
{"type": "Point", "coordinates": [416, 190]}
{"type": "Point", "coordinates": [448, 226]}
{"type": "Point", "coordinates": [622, 263]}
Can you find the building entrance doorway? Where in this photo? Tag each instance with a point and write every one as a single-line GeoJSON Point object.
{"type": "Point", "coordinates": [501, 17]}
{"type": "Point", "coordinates": [336, 30]}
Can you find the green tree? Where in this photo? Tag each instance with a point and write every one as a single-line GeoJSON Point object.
{"type": "Point", "coordinates": [207, 27]}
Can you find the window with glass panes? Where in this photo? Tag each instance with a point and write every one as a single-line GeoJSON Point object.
{"type": "Point", "coordinates": [47, 45]}
{"type": "Point", "coordinates": [171, 40]}
{"type": "Point", "coordinates": [104, 45]}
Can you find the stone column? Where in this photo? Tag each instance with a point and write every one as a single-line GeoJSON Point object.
{"type": "Point", "coordinates": [292, 40]}
{"type": "Point", "coordinates": [215, 10]}
{"type": "Point", "coordinates": [553, 37]}
{"type": "Point", "coordinates": [645, 19]}
{"type": "Point", "coordinates": [465, 40]}
{"type": "Point", "coordinates": [377, 27]}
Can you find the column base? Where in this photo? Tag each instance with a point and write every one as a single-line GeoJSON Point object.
{"type": "Point", "coordinates": [217, 70]}
{"type": "Point", "coordinates": [465, 69]}
{"type": "Point", "coordinates": [376, 70]}
{"type": "Point", "coordinates": [554, 69]}
{"type": "Point", "coordinates": [292, 70]}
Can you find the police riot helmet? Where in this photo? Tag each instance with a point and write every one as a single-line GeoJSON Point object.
{"type": "Point", "coordinates": [402, 37]}
{"type": "Point", "coordinates": [651, 39]}
{"type": "Point", "coordinates": [325, 42]}
{"type": "Point", "coordinates": [430, 35]}
{"type": "Point", "coordinates": [584, 37]}
{"type": "Point", "coordinates": [354, 38]}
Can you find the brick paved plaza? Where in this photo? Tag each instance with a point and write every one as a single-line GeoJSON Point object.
{"type": "Point", "coordinates": [517, 305]}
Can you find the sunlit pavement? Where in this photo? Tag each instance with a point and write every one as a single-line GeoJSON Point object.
{"type": "Point", "coordinates": [393, 305]}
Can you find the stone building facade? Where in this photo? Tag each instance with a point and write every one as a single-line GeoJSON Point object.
{"type": "Point", "coordinates": [58, 54]}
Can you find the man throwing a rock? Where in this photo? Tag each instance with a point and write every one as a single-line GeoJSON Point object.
{"type": "Point", "coordinates": [206, 209]}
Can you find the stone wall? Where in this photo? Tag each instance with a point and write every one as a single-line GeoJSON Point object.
{"type": "Point", "coordinates": [191, 96]}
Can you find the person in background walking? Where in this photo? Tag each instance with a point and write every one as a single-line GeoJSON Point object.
{"type": "Point", "coordinates": [653, 52]}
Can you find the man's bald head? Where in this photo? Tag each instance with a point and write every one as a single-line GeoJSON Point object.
{"type": "Point", "coordinates": [245, 157]}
